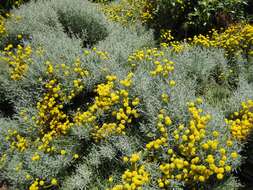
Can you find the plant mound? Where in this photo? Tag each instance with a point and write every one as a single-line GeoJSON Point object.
{"type": "Point", "coordinates": [93, 106]}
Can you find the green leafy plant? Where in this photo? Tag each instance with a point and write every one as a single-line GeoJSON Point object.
{"type": "Point", "coordinates": [6, 5]}
{"type": "Point", "coordinates": [187, 17]}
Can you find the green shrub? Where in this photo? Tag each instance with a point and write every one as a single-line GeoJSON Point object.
{"type": "Point", "coordinates": [187, 17]}
{"type": "Point", "coordinates": [9, 4]}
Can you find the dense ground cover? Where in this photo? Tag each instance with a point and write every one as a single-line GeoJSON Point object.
{"type": "Point", "coordinates": [101, 95]}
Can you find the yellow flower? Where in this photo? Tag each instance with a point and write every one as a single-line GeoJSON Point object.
{"type": "Point", "coordinates": [110, 179]}
{"type": "Point", "coordinates": [205, 146]}
{"type": "Point", "coordinates": [136, 101]}
{"type": "Point", "coordinates": [135, 157]}
{"type": "Point", "coordinates": [76, 156]}
{"type": "Point", "coordinates": [34, 186]}
{"type": "Point", "coordinates": [19, 36]}
{"type": "Point", "coordinates": [42, 183]}
{"type": "Point", "coordinates": [220, 176]}
{"type": "Point", "coordinates": [161, 184]}
{"type": "Point", "coordinates": [28, 176]}
{"type": "Point", "coordinates": [199, 101]}
{"type": "Point", "coordinates": [35, 157]}
{"type": "Point", "coordinates": [54, 181]}
{"type": "Point", "coordinates": [201, 178]}
{"type": "Point", "coordinates": [170, 151]}
{"type": "Point", "coordinates": [172, 83]}
{"type": "Point", "coordinates": [125, 159]}
{"type": "Point", "coordinates": [229, 143]}
{"type": "Point", "coordinates": [215, 133]}
{"type": "Point", "coordinates": [234, 155]}
{"type": "Point", "coordinates": [63, 152]}
{"type": "Point", "coordinates": [228, 168]}
{"type": "Point", "coordinates": [168, 120]}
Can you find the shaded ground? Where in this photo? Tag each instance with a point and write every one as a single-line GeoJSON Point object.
{"type": "Point", "coordinates": [6, 109]}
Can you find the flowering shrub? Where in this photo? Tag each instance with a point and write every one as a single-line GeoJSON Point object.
{"type": "Point", "coordinates": [18, 61]}
{"type": "Point", "coordinates": [241, 122]}
{"type": "Point", "coordinates": [182, 161]}
{"type": "Point", "coordinates": [236, 40]}
{"type": "Point", "coordinates": [128, 11]}
{"type": "Point", "coordinates": [184, 17]}
{"type": "Point", "coordinates": [2, 26]}
{"type": "Point", "coordinates": [104, 110]}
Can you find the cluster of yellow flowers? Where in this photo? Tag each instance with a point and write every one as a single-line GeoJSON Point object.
{"type": "Point", "coordinates": [77, 71]}
{"type": "Point", "coordinates": [50, 115]}
{"type": "Point", "coordinates": [133, 179]}
{"type": "Point", "coordinates": [160, 66]}
{"type": "Point", "coordinates": [145, 55]}
{"type": "Point", "coordinates": [34, 186]}
{"type": "Point", "coordinates": [241, 123]}
{"type": "Point", "coordinates": [163, 123]}
{"type": "Point", "coordinates": [236, 39]}
{"type": "Point", "coordinates": [3, 20]}
{"type": "Point", "coordinates": [130, 11]}
{"type": "Point", "coordinates": [167, 40]}
{"type": "Point", "coordinates": [185, 163]}
{"type": "Point", "coordinates": [103, 55]}
{"type": "Point", "coordinates": [18, 59]}
{"type": "Point", "coordinates": [2, 26]}
{"type": "Point", "coordinates": [166, 36]}
{"type": "Point", "coordinates": [197, 154]}
{"type": "Point", "coordinates": [53, 121]}
{"type": "Point", "coordinates": [81, 72]}
{"type": "Point", "coordinates": [138, 176]}
{"type": "Point", "coordinates": [164, 68]}
{"type": "Point", "coordinates": [41, 183]}
{"type": "Point", "coordinates": [16, 140]}
{"type": "Point", "coordinates": [107, 97]}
